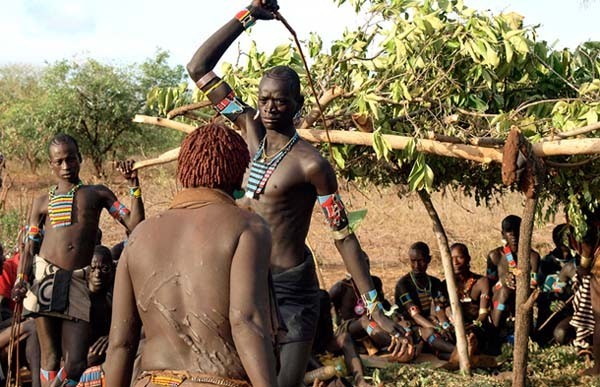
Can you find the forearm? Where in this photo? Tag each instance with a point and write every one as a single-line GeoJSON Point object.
{"type": "Point", "coordinates": [255, 349]}
{"type": "Point", "coordinates": [350, 250]}
{"type": "Point", "coordinates": [137, 213]}
{"type": "Point", "coordinates": [422, 321]}
{"type": "Point", "coordinates": [209, 53]}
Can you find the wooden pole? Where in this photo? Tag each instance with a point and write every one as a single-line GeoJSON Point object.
{"type": "Point", "coordinates": [462, 151]}
{"type": "Point", "coordinates": [522, 299]}
{"type": "Point", "coordinates": [442, 239]}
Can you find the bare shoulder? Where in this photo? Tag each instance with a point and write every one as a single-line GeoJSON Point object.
{"type": "Point", "coordinates": [40, 204]}
{"type": "Point", "coordinates": [534, 255]}
{"type": "Point", "coordinates": [495, 255]}
{"type": "Point", "coordinates": [312, 159]}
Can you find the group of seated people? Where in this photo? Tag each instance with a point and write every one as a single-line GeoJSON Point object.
{"type": "Point", "coordinates": [487, 303]}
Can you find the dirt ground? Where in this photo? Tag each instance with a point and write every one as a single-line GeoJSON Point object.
{"type": "Point", "coordinates": [391, 225]}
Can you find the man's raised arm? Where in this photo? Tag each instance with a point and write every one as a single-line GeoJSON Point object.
{"type": "Point", "coordinates": [206, 57]}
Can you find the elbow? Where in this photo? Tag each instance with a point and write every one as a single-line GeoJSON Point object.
{"type": "Point", "coordinates": [197, 69]}
{"type": "Point", "coordinates": [246, 323]}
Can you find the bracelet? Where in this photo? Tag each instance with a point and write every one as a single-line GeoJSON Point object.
{"type": "Point", "coordinates": [246, 18]}
{"type": "Point", "coordinates": [445, 325]}
{"type": "Point", "coordinates": [585, 262]}
{"type": "Point", "coordinates": [135, 192]}
{"type": "Point", "coordinates": [371, 302]}
{"type": "Point", "coordinates": [483, 311]}
{"type": "Point", "coordinates": [205, 80]}
{"type": "Point", "coordinates": [22, 277]}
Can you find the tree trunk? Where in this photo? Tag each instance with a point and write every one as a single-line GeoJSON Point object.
{"type": "Point", "coordinates": [442, 239]}
{"type": "Point", "coordinates": [523, 301]}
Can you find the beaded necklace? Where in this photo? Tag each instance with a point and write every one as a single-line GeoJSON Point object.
{"type": "Point", "coordinates": [261, 169]}
{"type": "Point", "coordinates": [424, 293]}
{"type": "Point", "coordinates": [466, 291]}
{"type": "Point", "coordinates": [60, 206]}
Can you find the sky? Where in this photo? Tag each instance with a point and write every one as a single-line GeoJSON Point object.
{"type": "Point", "coordinates": [126, 31]}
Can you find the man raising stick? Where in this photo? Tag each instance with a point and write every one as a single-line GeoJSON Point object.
{"type": "Point", "coordinates": [287, 175]}
{"type": "Point", "coordinates": [58, 293]}
{"type": "Point", "coordinates": [196, 278]}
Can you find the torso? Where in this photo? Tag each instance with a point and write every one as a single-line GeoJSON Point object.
{"type": "Point", "coordinates": [72, 247]}
{"type": "Point", "coordinates": [287, 204]}
{"type": "Point", "coordinates": [180, 264]}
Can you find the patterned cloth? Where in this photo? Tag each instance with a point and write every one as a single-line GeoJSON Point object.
{"type": "Point", "coordinates": [92, 377]}
{"type": "Point", "coordinates": [42, 296]}
{"type": "Point", "coordinates": [583, 316]}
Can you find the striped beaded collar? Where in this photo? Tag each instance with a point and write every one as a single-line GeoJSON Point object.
{"type": "Point", "coordinates": [60, 206]}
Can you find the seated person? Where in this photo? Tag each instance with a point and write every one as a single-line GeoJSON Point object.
{"type": "Point", "coordinates": [423, 302]}
{"type": "Point", "coordinates": [350, 313]}
{"type": "Point", "coordinates": [340, 344]}
{"type": "Point", "coordinates": [100, 284]}
{"type": "Point", "coordinates": [501, 269]}
{"type": "Point", "coordinates": [474, 297]}
{"type": "Point", "coordinates": [558, 270]}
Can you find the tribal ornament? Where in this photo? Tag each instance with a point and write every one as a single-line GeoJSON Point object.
{"type": "Point", "coordinates": [60, 207]}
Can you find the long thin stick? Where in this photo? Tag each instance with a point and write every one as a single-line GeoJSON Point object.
{"type": "Point", "coordinates": [287, 25]}
{"type": "Point", "coordinates": [555, 313]}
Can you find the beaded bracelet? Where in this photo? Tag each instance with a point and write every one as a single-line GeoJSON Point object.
{"type": "Point", "coordinates": [246, 18]}
{"type": "Point", "coordinates": [135, 192]}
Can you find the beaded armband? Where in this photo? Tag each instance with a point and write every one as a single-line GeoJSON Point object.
{"type": "Point", "coordinates": [533, 280]}
{"type": "Point", "coordinates": [334, 211]}
{"type": "Point", "coordinates": [135, 192]}
{"type": "Point", "coordinates": [371, 302]}
{"type": "Point", "coordinates": [245, 18]}
{"type": "Point", "coordinates": [34, 234]}
{"type": "Point", "coordinates": [231, 106]}
{"type": "Point", "coordinates": [371, 328]}
{"type": "Point", "coordinates": [118, 210]}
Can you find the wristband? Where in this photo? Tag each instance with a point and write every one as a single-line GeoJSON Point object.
{"type": "Point", "coordinates": [585, 262]}
{"type": "Point", "coordinates": [135, 192]}
{"type": "Point", "coordinates": [483, 311]}
{"type": "Point", "coordinates": [445, 325]}
{"type": "Point", "coordinates": [245, 18]}
{"type": "Point", "coordinates": [371, 302]}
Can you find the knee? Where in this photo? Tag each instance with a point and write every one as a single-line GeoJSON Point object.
{"type": "Point", "coordinates": [50, 361]}
{"type": "Point", "coordinates": [75, 368]}
{"type": "Point", "coordinates": [561, 335]}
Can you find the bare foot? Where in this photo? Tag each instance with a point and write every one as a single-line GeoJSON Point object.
{"type": "Point", "coordinates": [472, 344]}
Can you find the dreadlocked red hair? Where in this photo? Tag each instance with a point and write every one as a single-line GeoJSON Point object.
{"type": "Point", "coordinates": [213, 156]}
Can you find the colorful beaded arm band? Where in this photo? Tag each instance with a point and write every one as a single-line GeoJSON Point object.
{"type": "Point", "coordinates": [246, 18]}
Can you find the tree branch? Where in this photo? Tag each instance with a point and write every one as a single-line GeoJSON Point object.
{"type": "Point", "coordinates": [187, 108]}
{"type": "Point", "coordinates": [329, 96]}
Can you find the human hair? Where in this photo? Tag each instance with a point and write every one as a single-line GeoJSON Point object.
{"type": "Point", "coordinates": [462, 247]}
{"type": "Point", "coordinates": [421, 247]}
{"type": "Point", "coordinates": [213, 156]}
{"type": "Point", "coordinates": [559, 233]}
{"type": "Point", "coordinates": [286, 73]}
{"type": "Point", "coordinates": [511, 223]}
{"type": "Point", "coordinates": [104, 252]}
{"type": "Point", "coordinates": [63, 138]}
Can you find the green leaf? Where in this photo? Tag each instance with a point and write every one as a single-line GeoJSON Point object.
{"type": "Point", "coordinates": [338, 157]}
{"type": "Point", "coordinates": [355, 218]}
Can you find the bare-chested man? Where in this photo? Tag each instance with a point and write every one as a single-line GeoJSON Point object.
{"type": "Point", "coordinates": [196, 278]}
{"type": "Point", "coordinates": [421, 297]}
{"type": "Point", "coordinates": [287, 175]}
{"type": "Point", "coordinates": [473, 292]}
{"type": "Point", "coordinates": [501, 270]}
{"type": "Point", "coordinates": [57, 292]}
